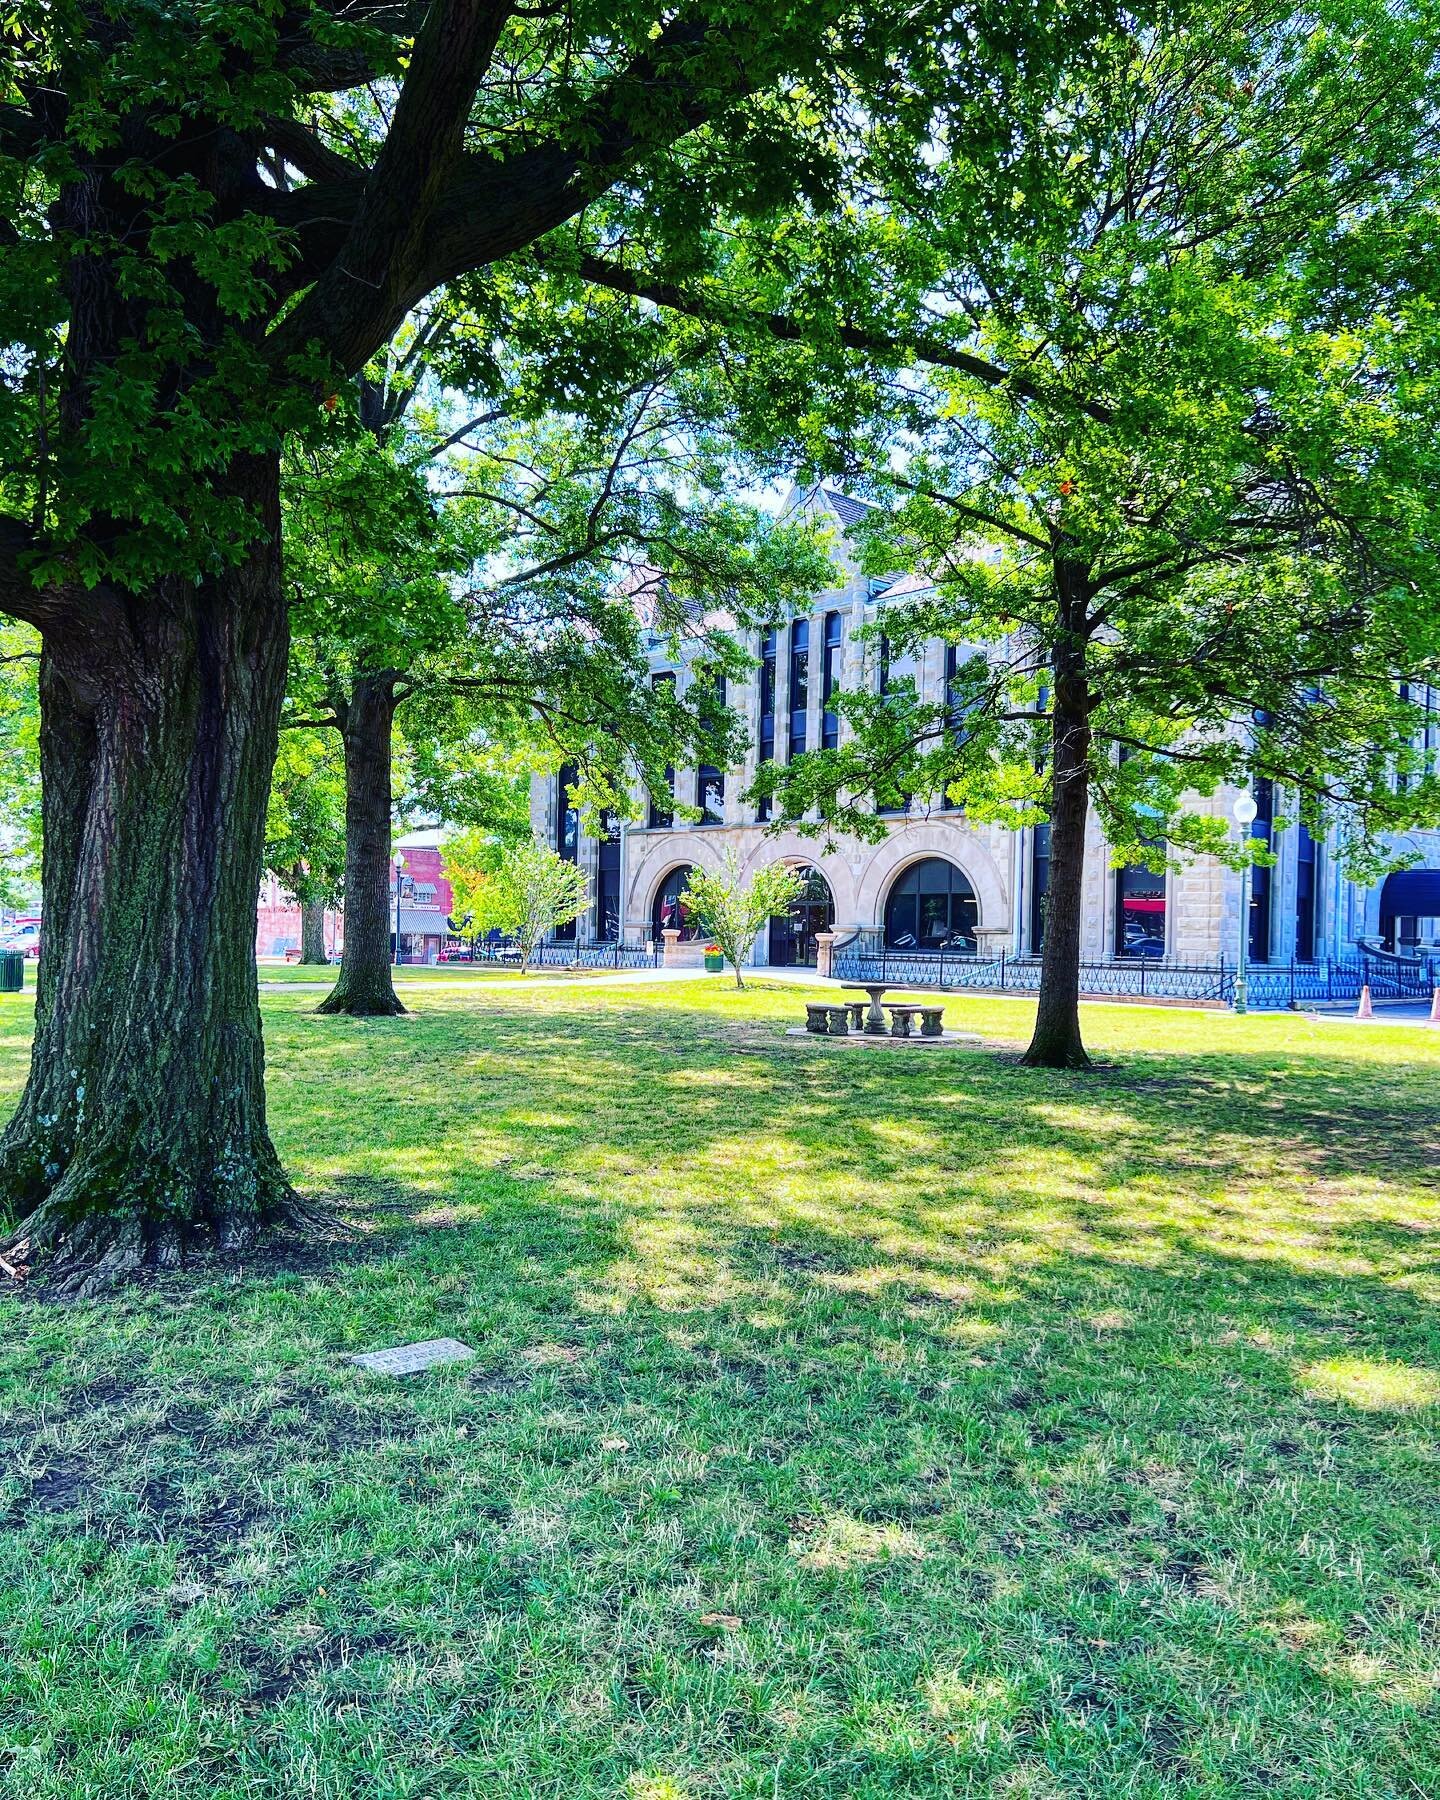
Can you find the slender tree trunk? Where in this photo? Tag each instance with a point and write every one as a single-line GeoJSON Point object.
{"type": "Point", "coordinates": [142, 1125]}
{"type": "Point", "coordinates": [312, 932]}
{"type": "Point", "coordinates": [365, 989]}
{"type": "Point", "coordinates": [1056, 1043]}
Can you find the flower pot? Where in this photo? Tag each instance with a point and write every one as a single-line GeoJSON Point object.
{"type": "Point", "coordinates": [714, 965]}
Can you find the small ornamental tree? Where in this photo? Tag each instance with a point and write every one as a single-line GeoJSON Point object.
{"type": "Point", "coordinates": [733, 911]}
{"type": "Point", "coordinates": [524, 890]}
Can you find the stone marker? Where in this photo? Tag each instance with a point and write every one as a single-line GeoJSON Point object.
{"type": "Point", "coordinates": [409, 1359]}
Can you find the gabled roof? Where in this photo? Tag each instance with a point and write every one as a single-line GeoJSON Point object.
{"type": "Point", "coordinates": [846, 508]}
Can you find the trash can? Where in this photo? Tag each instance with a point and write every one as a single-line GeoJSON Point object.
{"type": "Point", "coordinates": [12, 971]}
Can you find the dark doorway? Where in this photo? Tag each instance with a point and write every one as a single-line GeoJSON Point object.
{"type": "Point", "coordinates": [793, 933]}
{"type": "Point", "coordinates": [668, 914]}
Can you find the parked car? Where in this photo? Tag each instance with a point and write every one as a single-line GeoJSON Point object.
{"type": "Point", "coordinates": [24, 936]}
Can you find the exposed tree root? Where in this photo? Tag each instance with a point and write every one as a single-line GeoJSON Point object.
{"type": "Point", "coordinates": [371, 1005]}
{"type": "Point", "coordinates": [80, 1257]}
{"type": "Point", "coordinates": [1067, 1057]}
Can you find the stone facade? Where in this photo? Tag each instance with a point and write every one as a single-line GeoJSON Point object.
{"type": "Point", "coordinates": [1201, 899]}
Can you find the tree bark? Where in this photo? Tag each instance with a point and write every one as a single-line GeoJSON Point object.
{"type": "Point", "coordinates": [312, 932]}
{"type": "Point", "coordinates": [1056, 1042]}
{"type": "Point", "coordinates": [142, 1125]}
{"type": "Point", "coordinates": [365, 989]}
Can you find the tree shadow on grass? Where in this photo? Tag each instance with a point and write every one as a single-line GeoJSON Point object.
{"type": "Point", "coordinates": [1008, 1423]}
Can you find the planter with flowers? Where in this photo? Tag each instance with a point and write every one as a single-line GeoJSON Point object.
{"type": "Point", "coordinates": [714, 960]}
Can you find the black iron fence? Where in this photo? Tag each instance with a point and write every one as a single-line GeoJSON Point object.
{"type": "Point", "coordinates": [559, 953]}
{"type": "Point", "coordinates": [1268, 986]}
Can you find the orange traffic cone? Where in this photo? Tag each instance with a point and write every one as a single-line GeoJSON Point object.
{"type": "Point", "coordinates": [1435, 1007]}
{"type": "Point", "coordinates": [1364, 1010]}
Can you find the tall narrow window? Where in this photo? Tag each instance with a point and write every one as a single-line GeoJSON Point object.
{"type": "Point", "coordinates": [710, 794]}
{"type": "Point", "coordinates": [769, 647]}
{"type": "Point", "coordinates": [1262, 886]}
{"type": "Point", "coordinates": [1402, 778]}
{"type": "Point", "coordinates": [710, 781]}
{"type": "Point", "coordinates": [567, 832]}
{"type": "Point", "coordinates": [830, 682]}
{"type": "Point", "coordinates": [892, 669]}
{"type": "Point", "coordinates": [1039, 886]}
{"type": "Point", "coordinates": [1305, 895]}
{"type": "Point", "coordinates": [799, 684]}
{"type": "Point", "coordinates": [567, 819]}
{"type": "Point", "coordinates": [662, 811]}
{"type": "Point", "coordinates": [955, 710]}
{"type": "Point", "coordinates": [1139, 912]}
{"type": "Point", "coordinates": [607, 885]}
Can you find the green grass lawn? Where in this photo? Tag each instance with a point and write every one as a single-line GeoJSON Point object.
{"type": "Point", "coordinates": [328, 973]}
{"type": "Point", "coordinates": [843, 1423]}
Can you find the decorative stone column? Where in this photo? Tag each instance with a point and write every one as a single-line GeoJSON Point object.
{"type": "Point", "coordinates": [824, 953]}
{"type": "Point", "coordinates": [990, 939]}
{"type": "Point", "coordinates": [672, 956]}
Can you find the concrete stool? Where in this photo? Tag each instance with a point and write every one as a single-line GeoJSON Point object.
{"type": "Point", "coordinates": [817, 1018]}
{"type": "Point", "coordinates": [839, 1021]}
{"type": "Point", "coordinates": [930, 1021]}
{"type": "Point", "coordinates": [900, 1017]}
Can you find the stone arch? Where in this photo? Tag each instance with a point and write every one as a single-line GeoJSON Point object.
{"type": "Point", "coordinates": [807, 852]}
{"type": "Point", "coordinates": [911, 844]}
{"type": "Point", "coordinates": [676, 850]}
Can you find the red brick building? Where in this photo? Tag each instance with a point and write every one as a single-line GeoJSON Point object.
{"type": "Point", "coordinates": [425, 902]}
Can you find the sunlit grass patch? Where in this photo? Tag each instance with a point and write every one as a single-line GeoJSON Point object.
{"type": "Point", "coordinates": [1370, 1385]}
{"type": "Point", "coordinates": [839, 1426]}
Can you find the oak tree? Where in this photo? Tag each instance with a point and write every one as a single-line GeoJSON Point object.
{"type": "Point", "coordinates": [214, 216]}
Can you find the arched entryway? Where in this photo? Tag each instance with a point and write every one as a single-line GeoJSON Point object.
{"type": "Point", "coordinates": [931, 906]}
{"type": "Point", "coordinates": [793, 933]}
{"type": "Point", "coordinates": [668, 914]}
{"type": "Point", "coordinates": [1410, 909]}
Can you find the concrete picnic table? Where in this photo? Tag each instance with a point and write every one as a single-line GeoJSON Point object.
{"type": "Point", "coordinates": [875, 1019]}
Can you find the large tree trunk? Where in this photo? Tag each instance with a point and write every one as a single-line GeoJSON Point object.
{"type": "Point", "coordinates": [365, 989]}
{"type": "Point", "coordinates": [1056, 1043]}
{"type": "Point", "coordinates": [142, 1125]}
{"type": "Point", "coordinates": [312, 932]}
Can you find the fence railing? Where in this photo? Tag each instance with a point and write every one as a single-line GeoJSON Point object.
{"type": "Point", "coordinates": [560, 953]}
{"type": "Point", "coordinates": [864, 956]}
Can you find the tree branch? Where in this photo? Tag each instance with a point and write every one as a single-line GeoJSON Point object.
{"type": "Point", "coordinates": [373, 256]}
{"type": "Point", "coordinates": [315, 160]}
{"type": "Point", "coordinates": [918, 346]}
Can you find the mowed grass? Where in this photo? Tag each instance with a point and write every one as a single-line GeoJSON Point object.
{"type": "Point", "coordinates": [312, 973]}
{"type": "Point", "coordinates": [843, 1422]}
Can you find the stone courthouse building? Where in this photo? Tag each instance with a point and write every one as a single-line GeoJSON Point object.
{"type": "Point", "coordinates": [936, 882]}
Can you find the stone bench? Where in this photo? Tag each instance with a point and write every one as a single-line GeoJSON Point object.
{"type": "Point", "coordinates": [817, 1017]}
{"type": "Point", "coordinates": [900, 1017]}
{"type": "Point", "coordinates": [931, 1021]}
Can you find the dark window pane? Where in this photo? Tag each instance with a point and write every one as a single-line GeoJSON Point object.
{"type": "Point", "coordinates": [931, 905]}
{"type": "Point", "coordinates": [668, 914]}
{"type": "Point", "coordinates": [799, 683]}
{"type": "Point", "coordinates": [1139, 912]}
{"type": "Point", "coordinates": [1039, 886]}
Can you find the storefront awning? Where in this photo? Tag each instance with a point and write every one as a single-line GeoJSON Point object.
{"type": "Point", "coordinates": [1411, 893]}
{"type": "Point", "coordinates": [418, 922]}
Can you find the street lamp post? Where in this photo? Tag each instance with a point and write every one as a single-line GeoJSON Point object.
{"type": "Point", "coordinates": [399, 864]}
{"type": "Point", "coordinates": [1244, 811]}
